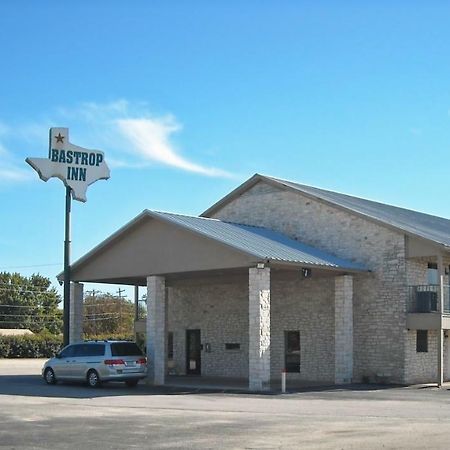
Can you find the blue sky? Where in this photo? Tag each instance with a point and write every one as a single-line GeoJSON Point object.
{"type": "Point", "coordinates": [189, 99]}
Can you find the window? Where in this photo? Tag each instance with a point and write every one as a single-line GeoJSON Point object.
{"type": "Point", "coordinates": [232, 346]}
{"type": "Point", "coordinates": [67, 352]}
{"type": "Point", "coordinates": [292, 351]}
{"type": "Point", "coordinates": [422, 341]}
{"type": "Point", "coordinates": [125, 349]}
{"type": "Point", "coordinates": [170, 345]}
{"type": "Point", "coordinates": [432, 274]}
{"type": "Point", "coordinates": [89, 350]}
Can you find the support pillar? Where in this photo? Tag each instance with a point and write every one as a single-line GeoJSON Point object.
{"type": "Point", "coordinates": [343, 329]}
{"type": "Point", "coordinates": [259, 329]}
{"type": "Point", "coordinates": [440, 337]}
{"type": "Point", "coordinates": [76, 313]}
{"type": "Point", "coordinates": [156, 329]}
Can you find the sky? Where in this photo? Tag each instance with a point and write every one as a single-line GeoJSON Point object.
{"type": "Point", "coordinates": [189, 99]}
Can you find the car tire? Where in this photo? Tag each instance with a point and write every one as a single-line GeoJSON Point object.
{"type": "Point", "coordinates": [131, 383]}
{"type": "Point", "coordinates": [49, 376]}
{"type": "Point", "coordinates": [93, 379]}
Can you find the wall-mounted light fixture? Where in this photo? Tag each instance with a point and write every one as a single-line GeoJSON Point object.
{"type": "Point", "coordinates": [260, 266]}
{"type": "Point", "coordinates": [306, 272]}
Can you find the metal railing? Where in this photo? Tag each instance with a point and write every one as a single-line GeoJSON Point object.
{"type": "Point", "coordinates": [424, 298]}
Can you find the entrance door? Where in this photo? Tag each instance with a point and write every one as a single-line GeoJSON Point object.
{"type": "Point", "coordinates": [193, 352]}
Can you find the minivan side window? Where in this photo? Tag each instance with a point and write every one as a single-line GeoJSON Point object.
{"type": "Point", "coordinates": [90, 350]}
{"type": "Point", "coordinates": [96, 349]}
{"type": "Point", "coordinates": [67, 352]}
{"type": "Point", "coordinates": [79, 350]}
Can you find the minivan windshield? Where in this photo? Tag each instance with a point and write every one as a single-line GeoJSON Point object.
{"type": "Point", "coordinates": [125, 349]}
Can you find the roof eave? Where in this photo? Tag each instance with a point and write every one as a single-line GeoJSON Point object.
{"type": "Point", "coordinates": [337, 268]}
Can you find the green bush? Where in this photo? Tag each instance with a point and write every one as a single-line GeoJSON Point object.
{"type": "Point", "coordinates": [43, 345]}
{"type": "Point", "coordinates": [109, 337]}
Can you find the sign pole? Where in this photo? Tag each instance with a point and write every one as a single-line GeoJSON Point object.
{"type": "Point", "coordinates": [67, 240]}
{"type": "Point", "coordinates": [77, 168]}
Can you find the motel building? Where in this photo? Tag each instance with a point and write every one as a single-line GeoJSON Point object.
{"type": "Point", "coordinates": [278, 276]}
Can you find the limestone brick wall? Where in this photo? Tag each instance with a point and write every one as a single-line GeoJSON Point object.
{"type": "Point", "coordinates": [343, 329]}
{"type": "Point", "coordinates": [422, 367]}
{"type": "Point", "coordinates": [76, 313]}
{"type": "Point", "coordinates": [305, 305]}
{"type": "Point", "coordinates": [156, 328]}
{"type": "Point", "coordinates": [379, 308]}
{"type": "Point", "coordinates": [259, 328]}
{"type": "Point", "coordinates": [220, 311]}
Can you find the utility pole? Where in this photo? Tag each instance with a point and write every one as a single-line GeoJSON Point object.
{"type": "Point", "coordinates": [119, 292]}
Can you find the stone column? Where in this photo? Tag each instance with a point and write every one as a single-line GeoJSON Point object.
{"type": "Point", "coordinates": [440, 340]}
{"type": "Point", "coordinates": [259, 329]}
{"type": "Point", "coordinates": [343, 329]}
{"type": "Point", "coordinates": [76, 313]}
{"type": "Point", "coordinates": [156, 329]}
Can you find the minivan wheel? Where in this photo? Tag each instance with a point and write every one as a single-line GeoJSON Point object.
{"type": "Point", "coordinates": [131, 383]}
{"type": "Point", "coordinates": [49, 376]}
{"type": "Point", "coordinates": [93, 380]}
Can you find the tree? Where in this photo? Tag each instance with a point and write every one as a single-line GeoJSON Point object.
{"type": "Point", "coordinates": [29, 302]}
{"type": "Point", "coordinates": [107, 314]}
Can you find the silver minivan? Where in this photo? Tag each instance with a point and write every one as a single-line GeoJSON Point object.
{"type": "Point", "coordinates": [96, 362]}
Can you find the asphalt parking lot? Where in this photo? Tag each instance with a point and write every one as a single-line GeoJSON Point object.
{"type": "Point", "coordinates": [34, 415]}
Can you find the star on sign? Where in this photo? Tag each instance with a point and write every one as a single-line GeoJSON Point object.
{"type": "Point", "coordinates": [59, 138]}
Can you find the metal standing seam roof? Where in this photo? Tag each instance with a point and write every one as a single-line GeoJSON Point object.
{"type": "Point", "coordinates": [433, 228]}
{"type": "Point", "coordinates": [261, 242]}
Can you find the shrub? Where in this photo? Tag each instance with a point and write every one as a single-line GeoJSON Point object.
{"type": "Point", "coordinates": [109, 337]}
{"type": "Point", "coordinates": [43, 345]}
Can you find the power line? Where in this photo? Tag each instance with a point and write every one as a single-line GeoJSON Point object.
{"type": "Point", "coordinates": [28, 267]}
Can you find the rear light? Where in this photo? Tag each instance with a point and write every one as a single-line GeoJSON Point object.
{"type": "Point", "coordinates": [114, 362]}
{"type": "Point", "coordinates": [142, 361]}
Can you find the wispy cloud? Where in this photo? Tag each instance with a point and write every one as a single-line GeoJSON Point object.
{"type": "Point", "coordinates": [131, 135]}
{"type": "Point", "coordinates": [150, 139]}
{"type": "Point", "coordinates": [11, 168]}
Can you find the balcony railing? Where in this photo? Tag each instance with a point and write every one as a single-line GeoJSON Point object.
{"type": "Point", "coordinates": [425, 298]}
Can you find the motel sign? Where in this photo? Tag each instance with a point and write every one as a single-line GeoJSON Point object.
{"type": "Point", "coordinates": [75, 166]}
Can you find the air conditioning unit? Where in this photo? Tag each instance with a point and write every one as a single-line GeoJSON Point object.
{"type": "Point", "coordinates": [426, 301]}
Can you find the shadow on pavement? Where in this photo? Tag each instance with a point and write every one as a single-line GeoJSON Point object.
{"type": "Point", "coordinates": [34, 386]}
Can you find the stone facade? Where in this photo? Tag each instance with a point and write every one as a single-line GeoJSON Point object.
{"type": "Point", "coordinates": [220, 309]}
{"type": "Point", "coordinates": [343, 329]}
{"type": "Point", "coordinates": [156, 329]}
{"type": "Point", "coordinates": [259, 304]}
{"type": "Point", "coordinates": [421, 367]}
{"type": "Point", "coordinates": [379, 298]}
{"type": "Point", "coordinates": [76, 313]}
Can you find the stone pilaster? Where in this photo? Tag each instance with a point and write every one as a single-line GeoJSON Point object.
{"type": "Point", "coordinates": [343, 331]}
{"type": "Point", "coordinates": [76, 313]}
{"type": "Point", "coordinates": [259, 329]}
{"type": "Point", "coordinates": [156, 329]}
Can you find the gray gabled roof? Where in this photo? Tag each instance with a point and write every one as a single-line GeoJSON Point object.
{"type": "Point", "coordinates": [262, 243]}
{"type": "Point", "coordinates": [432, 228]}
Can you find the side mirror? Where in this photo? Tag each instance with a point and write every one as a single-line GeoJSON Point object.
{"type": "Point", "coordinates": [58, 355]}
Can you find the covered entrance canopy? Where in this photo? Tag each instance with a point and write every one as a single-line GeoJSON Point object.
{"type": "Point", "coordinates": [157, 248]}
{"type": "Point", "coordinates": [158, 243]}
